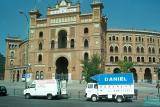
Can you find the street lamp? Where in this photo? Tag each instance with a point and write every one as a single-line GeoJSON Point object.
{"type": "Point", "coordinates": [27, 51]}
{"type": "Point", "coordinates": [27, 19]}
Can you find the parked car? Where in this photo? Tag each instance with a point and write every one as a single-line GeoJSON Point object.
{"type": "Point", "coordinates": [3, 91]}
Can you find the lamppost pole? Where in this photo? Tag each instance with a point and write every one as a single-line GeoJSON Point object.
{"type": "Point", "coordinates": [27, 49]}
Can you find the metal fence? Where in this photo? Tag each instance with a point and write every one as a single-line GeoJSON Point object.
{"type": "Point", "coordinates": [153, 101]}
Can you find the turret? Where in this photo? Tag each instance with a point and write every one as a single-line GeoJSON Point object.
{"type": "Point", "coordinates": [34, 14]}
{"type": "Point", "coordinates": [97, 7]}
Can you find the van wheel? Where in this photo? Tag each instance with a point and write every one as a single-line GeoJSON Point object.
{"type": "Point", "coordinates": [27, 96]}
{"type": "Point", "coordinates": [94, 98]}
{"type": "Point", "coordinates": [49, 97]}
{"type": "Point", "coordinates": [119, 99]}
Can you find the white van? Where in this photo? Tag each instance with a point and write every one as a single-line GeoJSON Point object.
{"type": "Point", "coordinates": [46, 88]}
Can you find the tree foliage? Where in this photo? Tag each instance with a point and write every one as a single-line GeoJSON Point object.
{"type": "Point", "coordinates": [91, 67]}
{"type": "Point", "coordinates": [125, 65]}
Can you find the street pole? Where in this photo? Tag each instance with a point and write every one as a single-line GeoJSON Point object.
{"type": "Point", "coordinates": [27, 50]}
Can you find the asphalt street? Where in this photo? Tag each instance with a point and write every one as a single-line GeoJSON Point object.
{"type": "Point", "coordinates": [17, 101]}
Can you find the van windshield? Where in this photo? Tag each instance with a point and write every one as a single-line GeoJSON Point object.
{"type": "Point", "coordinates": [96, 86]}
{"type": "Point", "coordinates": [32, 86]}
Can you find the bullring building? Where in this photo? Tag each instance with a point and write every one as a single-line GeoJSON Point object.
{"type": "Point", "coordinates": [57, 43]}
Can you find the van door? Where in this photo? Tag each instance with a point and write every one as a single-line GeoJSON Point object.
{"type": "Point", "coordinates": [91, 89]}
{"type": "Point", "coordinates": [32, 89]}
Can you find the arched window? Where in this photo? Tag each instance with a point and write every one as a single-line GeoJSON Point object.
{"type": "Point", "coordinates": [39, 58]}
{"type": "Point", "coordinates": [138, 50]}
{"type": "Point", "coordinates": [116, 59]}
{"type": "Point", "coordinates": [52, 44]}
{"type": "Point", "coordinates": [37, 75]}
{"type": "Point", "coordinates": [41, 75]}
{"type": "Point", "coordinates": [86, 30]}
{"type": "Point", "coordinates": [40, 46]}
{"type": "Point", "coordinates": [111, 59]}
{"type": "Point", "coordinates": [116, 38]}
{"type": "Point", "coordinates": [130, 59]}
{"type": "Point", "coordinates": [125, 58]}
{"type": "Point", "coordinates": [142, 50]}
{"type": "Point", "coordinates": [40, 34]}
{"type": "Point", "coordinates": [153, 50]}
{"type": "Point", "coordinates": [86, 56]}
{"type": "Point", "coordinates": [86, 43]}
{"type": "Point", "coordinates": [154, 60]}
{"type": "Point", "coordinates": [12, 54]}
{"type": "Point", "coordinates": [138, 59]}
{"type": "Point", "coordinates": [62, 39]}
{"type": "Point", "coordinates": [139, 39]}
{"type": "Point", "coordinates": [149, 50]}
{"type": "Point", "coordinates": [116, 49]}
{"type": "Point", "coordinates": [125, 49]}
{"type": "Point", "coordinates": [72, 43]}
{"type": "Point", "coordinates": [13, 46]}
{"type": "Point", "coordinates": [129, 49]}
{"type": "Point", "coordinates": [142, 59]}
{"type": "Point", "coordinates": [111, 49]}
{"type": "Point", "coordinates": [126, 38]}
{"type": "Point", "coordinates": [150, 59]}
{"type": "Point", "coordinates": [150, 39]}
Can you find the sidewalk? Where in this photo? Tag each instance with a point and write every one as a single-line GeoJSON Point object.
{"type": "Point", "coordinates": [145, 89]}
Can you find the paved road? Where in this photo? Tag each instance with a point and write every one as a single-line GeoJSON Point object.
{"type": "Point", "coordinates": [15, 101]}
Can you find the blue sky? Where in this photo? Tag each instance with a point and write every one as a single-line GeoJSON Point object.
{"type": "Point", "coordinates": [122, 14]}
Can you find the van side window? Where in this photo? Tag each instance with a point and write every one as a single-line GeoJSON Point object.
{"type": "Point", "coordinates": [33, 86]}
{"type": "Point", "coordinates": [90, 85]}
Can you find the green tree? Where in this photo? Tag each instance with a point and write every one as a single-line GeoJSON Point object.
{"type": "Point", "coordinates": [125, 65]}
{"type": "Point", "coordinates": [91, 67]}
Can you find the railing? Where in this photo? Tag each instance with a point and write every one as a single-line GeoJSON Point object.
{"type": "Point", "coordinates": [15, 92]}
{"type": "Point", "coordinates": [153, 100]}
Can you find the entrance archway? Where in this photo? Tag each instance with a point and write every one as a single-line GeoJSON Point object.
{"type": "Point", "coordinates": [148, 75]}
{"type": "Point", "coordinates": [62, 68]}
{"type": "Point", "coordinates": [133, 70]}
{"type": "Point", "coordinates": [62, 39]}
{"type": "Point", "coordinates": [116, 70]}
